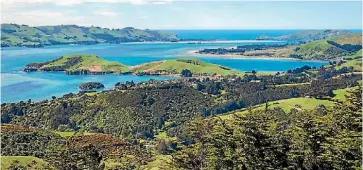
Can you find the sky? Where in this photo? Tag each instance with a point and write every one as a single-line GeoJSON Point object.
{"type": "Point", "coordinates": [171, 14]}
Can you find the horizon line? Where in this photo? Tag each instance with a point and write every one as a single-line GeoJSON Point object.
{"type": "Point", "coordinates": [192, 28]}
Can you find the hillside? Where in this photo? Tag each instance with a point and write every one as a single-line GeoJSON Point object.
{"type": "Point", "coordinates": [35, 148]}
{"type": "Point", "coordinates": [354, 60]}
{"type": "Point", "coordinates": [23, 35]}
{"type": "Point", "coordinates": [309, 35]}
{"type": "Point", "coordinates": [23, 162]}
{"type": "Point", "coordinates": [79, 64]}
{"type": "Point", "coordinates": [331, 48]}
{"type": "Point", "coordinates": [349, 39]}
{"type": "Point", "coordinates": [92, 64]}
{"type": "Point", "coordinates": [176, 66]}
{"type": "Point", "coordinates": [168, 124]}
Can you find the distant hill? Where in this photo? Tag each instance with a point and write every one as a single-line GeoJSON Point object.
{"type": "Point", "coordinates": [79, 64]}
{"type": "Point", "coordinates": [176, 66]}
{"type": "Point", "coordinates": [330, 48]}
{"type": "Point", "coordinates": [23, 35]}
{"type": "Point", "coordinates": [349, 39]}
{"type": "Point", "coordinates": [308, 35]}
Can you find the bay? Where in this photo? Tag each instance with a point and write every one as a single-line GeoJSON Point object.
{"type": "Point", "coordinates": [17, 85]}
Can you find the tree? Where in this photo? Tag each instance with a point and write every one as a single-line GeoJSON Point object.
{"type": "Point", "coordinates": [331, 93]}
{"type": "Point", "coordinates": [162, 147]}
{"type": "Point", "coordinates": [186, 73]}
{"type": "Point", "coordinates": [77, 158]}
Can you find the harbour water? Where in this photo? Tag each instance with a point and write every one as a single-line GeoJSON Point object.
{"type": "Point", "coordinates": [17, 85]}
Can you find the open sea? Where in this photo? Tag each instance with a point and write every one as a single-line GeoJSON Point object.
{"type": "Point", "coordinates": [17, 85]}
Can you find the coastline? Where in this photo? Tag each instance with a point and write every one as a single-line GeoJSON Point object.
{"type": "Point", "coordinates": [194, 53]}
{"type": "Point", "coordinates": [150, 42]}
{"type": "Point", "coordinates": [201, 41]}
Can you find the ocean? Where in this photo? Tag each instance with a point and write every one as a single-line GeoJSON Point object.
{"type": "Point", "coordinates": [17, 85]}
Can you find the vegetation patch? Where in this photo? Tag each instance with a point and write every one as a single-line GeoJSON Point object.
{"type": "Point", "coordinates": [23, 162]}
{"type": "Point", "coordinates": [79, 64]}
{"type": "Point", "coordinates": [176, 66]}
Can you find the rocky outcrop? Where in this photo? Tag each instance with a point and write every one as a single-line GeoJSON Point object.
{"type": "Point", "coordinates": [33, 67]}
{"type": "Point", "coordinates": [91, 86]}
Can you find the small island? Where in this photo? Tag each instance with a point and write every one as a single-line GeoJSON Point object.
{"type": "Point", "coordinates": [88, 64]}
{"type": "Point", "coordinates": [91, 86]}
{"type": "Point", "coordinates": [79, 64]}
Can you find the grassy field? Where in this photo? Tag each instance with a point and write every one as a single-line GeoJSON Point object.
{"type": "Point", "coordinates": [161, 162]}
{"type": "Point", "coordinates": [341, 93]}
{"type": "Point", "coordinates": [259, 73]}
{"type": "Point", "coordinates": [90, 60]}
{"type": "Point", "coordinates": [147, 66]}
{"type": "Point", "coordinates": [320, 49]}
{"type": "Point", "coordinates": [288, 104]}
{"type": "Point", "coordinates": [27, 162]}
{"type": "Point", "coordinates": [355, 63]}
{"type": "Point", "coordinates": [314, 47]}
{"type": "Point", "coordinates": [273, 52]}
{"type": "Point", "coordinates": [296, 84]}
{"type": "Point", "coordinates": [163, 135]}
{"type": "Point", "coordinates": [194, 65]}
{"type": "Point", "coordinates": [349, 39]}
{"type": "Point", "coordinates": [68, 134]}
{"type": "Point", "coordinates": [306, 103]}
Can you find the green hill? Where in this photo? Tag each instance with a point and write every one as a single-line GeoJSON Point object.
{"type": "Point", "coordinates": [331, 48]}
{"type": "Point", "coordinates": [354, 60]}
{"type": "Point", "coordinates": [92, 64]}
{"type": "Point", "coordinates": [349, 39]}
{"type": "Point", "coordinates": [79, 64]}
{"type": "Point", "coordinates": [307, 35]}
{"type": "Point", "coordinates": [23, 35]}
{"type": "Point", "coordinates": [310, 35]}
{"type": "Point", "coordinates": [176, 66]}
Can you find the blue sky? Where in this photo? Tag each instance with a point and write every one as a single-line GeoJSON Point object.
{"type": "Point", "coordinates": [170, 14]}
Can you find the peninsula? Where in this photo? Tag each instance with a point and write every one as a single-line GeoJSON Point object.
{"type": "Point", "coordinates": [325, 49]}
{"type": "Point", "coordinates": [27, 36]}
{"type": "Point", "coordinates": [308, 35]}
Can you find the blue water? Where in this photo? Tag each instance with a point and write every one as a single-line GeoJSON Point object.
{"type": "Point", "coordinates": [17, 85]}
{"type": "Point", "coordinates": [235, 34]}
{"type": "Point", "coordinates": [229, 34]}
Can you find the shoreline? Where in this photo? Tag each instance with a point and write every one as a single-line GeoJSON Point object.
{"type": "Point", "coordinates": [149, 42]}
{"type": "Point", "coordinates": [194, 53]}
{"type": "Point", "coordinates": [202, 42]}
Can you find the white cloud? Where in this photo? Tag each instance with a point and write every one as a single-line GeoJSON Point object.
{"type": "Point", "coordinates": [77, 2]}
{"type": "Point", "coordinates": [43, 17]}
{"type": "Point", "coordinates": [106, 13]}
{"type": "Point", "coordinates": [162, 2]}
{"type": "Point", "coordinates": [144, 17]}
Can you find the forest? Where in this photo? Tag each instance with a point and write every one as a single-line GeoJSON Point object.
{"type": "Point", "coordinates": [182, 124]}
